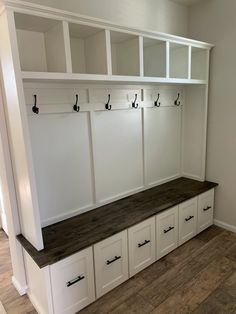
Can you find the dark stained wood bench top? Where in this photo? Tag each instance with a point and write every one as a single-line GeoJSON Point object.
{"type": "Point", "coordinates": [72, 235]}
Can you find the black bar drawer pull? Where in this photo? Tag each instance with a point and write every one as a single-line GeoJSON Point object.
{"type": "Point", "coordinates": [169, 229]}
{"type": "Point", "coordinates": [113, 260]}
{"type": "Point", "coordinates": [189, 218]}
{"type": "Point", "coordinates": [144, 243]}
{"type": "Point", "coordinates": [73, 281]}
{"type": "Point", "coordinates": [207, 208]}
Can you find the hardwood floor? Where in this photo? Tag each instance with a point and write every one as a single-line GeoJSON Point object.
{"type": "Point", "coordinates": [12, 302]}
{"type": "Point", "coordinates": [199, 277]}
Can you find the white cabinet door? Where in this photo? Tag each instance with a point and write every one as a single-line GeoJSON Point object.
{"type": "Point", "coordinates": [167, 231]}
{"type": "Point", "coordinates": [205, 210]}
{"type": "Point", "coordinates": [73, 282]}
{"type": "Point", "coordinates": [187, 220]}
{"type": "Point", "coordinates": [111, 262]}
{"type": "Point", "coordinates": [118, 153]}
{"type": "Point", "coordinates": [162, 133]}
{"type": "Point", "coordinates": [141, 245]}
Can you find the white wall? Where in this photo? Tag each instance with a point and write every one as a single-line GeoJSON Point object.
{"type": "Point", "coordinates": [214, 21]}
{"type": "Point", "coordinates": [159, 15]}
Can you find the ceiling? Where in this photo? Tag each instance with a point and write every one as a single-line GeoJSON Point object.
{"type": "Point", "coordinates": [187, 2]}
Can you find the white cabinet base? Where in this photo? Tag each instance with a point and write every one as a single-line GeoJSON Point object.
{"type": "Point", "coordinates": [167, 231]}
{"type": "Point", "coordinates": [141, 239]}
{"type": "Point", "coordinates": [73, 282]}
{"type": "Point", "coordinates": [205, 210]}
{"type": "Point", "coordinates": [111, 262]}
{"type": "Point", "coordinates": [187, 220]}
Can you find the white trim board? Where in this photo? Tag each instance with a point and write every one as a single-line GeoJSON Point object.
{"type": "Point", "coordinates": [224, 225]}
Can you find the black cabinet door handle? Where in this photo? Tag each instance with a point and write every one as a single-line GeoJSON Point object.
{"type": "Point", "coordinates": [169, 229]}
{"type": "Point", "coordinates": [206, 208]}
{"type": "Point", "coordinates": [144, 243]}
{"type": "Point", "coordinates": [189, 218]}
{"type": "Point", "coordinates": [73, 281]}
{"type": "Point", "coordinates": [113, 260]}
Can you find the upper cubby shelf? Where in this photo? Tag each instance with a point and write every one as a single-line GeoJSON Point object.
{"type": "Point", "coordinates": [125, 54]}
{"type": "Point", "coordinates": [154, 57]}
{"type": "Point", "coordinates": [60, 49]}
{"type": "Point", "coordinates": [88, 49]}
{"type": "Point", "coordinates": [40, 43]}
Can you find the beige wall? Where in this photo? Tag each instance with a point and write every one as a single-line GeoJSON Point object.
{"type": "Point", "coordinates": [215, 21]}
{"type": "Point", "coordinates": [159, 15]}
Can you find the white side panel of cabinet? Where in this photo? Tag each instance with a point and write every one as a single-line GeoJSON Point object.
{"type": "Point", "coordinates": [118, 153]}
{"type": "Point", "coordinates": [162, 143]}
{"type": "Point", "coordinates": [194, 133]}
{"type": "Point", "coordinates": [61, 151]}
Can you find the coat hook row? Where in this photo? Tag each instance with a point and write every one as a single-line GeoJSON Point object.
{"type": "Point", "coordinates": [76, 107]}
{"type": "Point", "coordinates": [107, 105]}
{"type": "Point", "coordinates": [134, 104]}
{"type": "Point", "coordinates": [177, 101]}
{"type": "Point", "coordinates": [156, 102]}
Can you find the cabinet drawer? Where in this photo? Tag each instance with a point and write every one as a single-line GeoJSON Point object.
{"type": "Point", "coordinates": [187, 220]}
{"type": "Point", "coordinates": [73, 282]}
{"type": "Point", "coordinates": [141, 246]}
{"type": "Point", "coordinates": [205, 210]}
{"type": "Point", "coordinates": [111, 262]}
{"type": "Point", "coordinates": [167, 231]}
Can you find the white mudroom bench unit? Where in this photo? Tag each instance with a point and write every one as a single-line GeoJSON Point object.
{"type": "Point", "coordinates": [108, 132]}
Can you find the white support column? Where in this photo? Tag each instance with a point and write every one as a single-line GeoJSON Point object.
{"type": "Point", "coordinates": [9, 202]}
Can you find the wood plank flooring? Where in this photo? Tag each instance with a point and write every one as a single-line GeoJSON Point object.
{"type": "Point", "coordinates": [199, 277]}
{"type": "Point", "coordinates": [13, 303]}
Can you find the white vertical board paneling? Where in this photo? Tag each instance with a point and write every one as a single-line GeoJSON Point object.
{"type": "Point", "coordinates": [162, 133]}
{"type": "Point", "coordinates": [61, 151]}
{"type": "Point", "coordinates": [194, 133]}
{"type": "Point", "coordinates": [118, 153]}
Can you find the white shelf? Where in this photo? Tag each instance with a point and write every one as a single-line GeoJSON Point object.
{"type": "Point", "coordinates": [41, 43]}
{"type": "Point", "coordinates": [125, 54]}
{"type": "Point", "coordinates": [179, 61]}
{"type": "Point", "coordinates": [85, 43]}
{"type": "Point", "coordinates": [55, 77]}
{"type": "Point", "coordinates": [154, 57]}
{"type": "Point", "coordinates": [199, 63]}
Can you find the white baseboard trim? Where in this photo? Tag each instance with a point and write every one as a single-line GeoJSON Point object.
{"type": "Point", "coordinates": [19, 288]}
{"type": "Point", "coordinates": [224, 225]}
